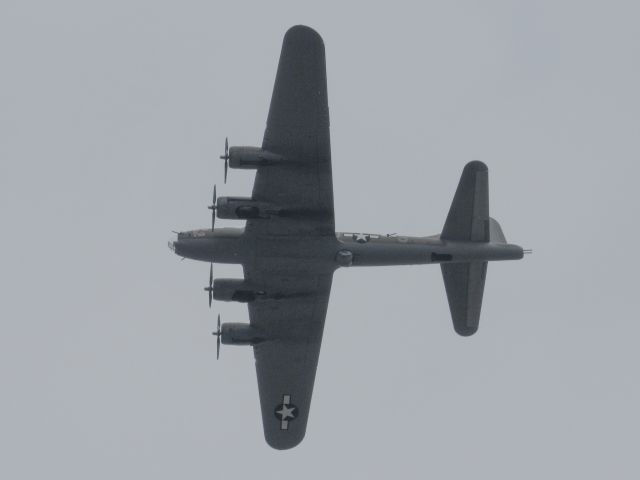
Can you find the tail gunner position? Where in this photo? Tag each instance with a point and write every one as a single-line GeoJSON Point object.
{"type": "Point", "coordinates": [289, 248]}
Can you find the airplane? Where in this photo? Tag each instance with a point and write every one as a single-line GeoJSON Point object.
{"type": "Point", "coordinates": [289, 248]}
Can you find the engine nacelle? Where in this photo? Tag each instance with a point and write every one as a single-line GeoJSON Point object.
{"type": "Point", "coordinates": [251, 157]}
{"type": "Point", "coordinates": [240, 334]}
{"type": "Point", "coordinates": [240, 208]}
{"type": "Point", "coordinates": [235, 290]}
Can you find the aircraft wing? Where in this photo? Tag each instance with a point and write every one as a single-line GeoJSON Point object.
{"type": "Point", "coordinates": [300, 189]}
{"type": "Point", "coordinates": [286, 362]}
{"type": "Point", "coordinates": [298, 129]}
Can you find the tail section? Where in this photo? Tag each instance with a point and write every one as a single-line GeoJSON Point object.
{"type": "Point", "coordinates": [495, 232]}
{"type": "Point", "coordinates": [469, 221]}
{"type": "Point", "coordinates": [464, 283]}
{"type": "Point", "coordinates": [469, 213]}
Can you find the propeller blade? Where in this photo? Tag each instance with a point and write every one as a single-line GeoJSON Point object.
{"type": "Point", "coordinates": [210, 287]}
{"type": "Point", "coordinates": [225, 157]}
{"type": "Point", "coordinates": [213, 207]}
{"type": "Point", "coordinates": [226, 149]}
{"type": "Point", "coordinates": [218, 334]}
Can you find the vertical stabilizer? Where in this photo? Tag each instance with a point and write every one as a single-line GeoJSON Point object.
{"type": "Point", "coordinates": [495, 232]}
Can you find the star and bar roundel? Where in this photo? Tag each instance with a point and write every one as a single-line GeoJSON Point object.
{"type": "Point", "coordinates": [285, 412]}
{"type": "Point", "coordinates": [360, 237]}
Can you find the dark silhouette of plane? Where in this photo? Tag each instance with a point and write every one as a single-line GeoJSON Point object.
{"type": "Point", "coordinates": [289, 248]}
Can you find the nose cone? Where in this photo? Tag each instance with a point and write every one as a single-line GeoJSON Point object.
{"type": "Point", "coordinates": [195, 245]}
{"type": "Point", "coordinates": [176, 246]}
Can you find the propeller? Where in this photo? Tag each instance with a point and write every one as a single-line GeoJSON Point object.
{"type": "Point", "coordinates": [225, 157]}
{"type": "Point", "coordinates": [210, 287]}
{"type": "Point", "coordinates": [217, 333]}
{"type": "Point", "coordinates": [213, 207]}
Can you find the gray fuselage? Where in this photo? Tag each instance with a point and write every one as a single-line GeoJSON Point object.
{"type": "Point", "coordinates": [233, 245]}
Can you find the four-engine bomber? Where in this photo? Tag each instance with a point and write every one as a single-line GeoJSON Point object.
{"type": "Point", "coordinates": [289, 249]}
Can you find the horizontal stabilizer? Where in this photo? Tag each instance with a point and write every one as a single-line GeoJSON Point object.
{"type": "Point", "coordinates": [469, 213]}
{"type": "Point", "coordinates": [464, 283]}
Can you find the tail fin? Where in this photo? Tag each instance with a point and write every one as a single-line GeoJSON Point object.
{"type": "Point", "coordinates": [495, 232]}
{"type": "Point", "coordinates": [464, 283]}
{"type": "Point", "coordinates": [469, 221]}
{"type": "Point", "coordinates": [469, 213]}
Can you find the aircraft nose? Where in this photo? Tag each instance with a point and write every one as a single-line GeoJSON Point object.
{"type": "Point", "coordinates": [177, 246]}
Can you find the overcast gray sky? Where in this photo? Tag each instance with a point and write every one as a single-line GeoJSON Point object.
{"type": "Point", "coordinates": [112, 116]}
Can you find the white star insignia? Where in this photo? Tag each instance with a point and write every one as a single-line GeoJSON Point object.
{"type": "Point", "coordinates": [361, 238]}
{"type": "Point", "coordinates": [286, 412]}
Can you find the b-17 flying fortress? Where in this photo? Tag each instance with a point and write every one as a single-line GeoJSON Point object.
{"type": "Point", "coordinates": [289, 248]}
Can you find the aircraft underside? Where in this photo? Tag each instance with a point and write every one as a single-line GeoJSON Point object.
{"type": "Point", "coordinates": [289, 248]}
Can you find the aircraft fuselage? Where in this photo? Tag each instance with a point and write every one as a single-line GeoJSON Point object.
{"type": "Point", "coordinates": [233, 245]}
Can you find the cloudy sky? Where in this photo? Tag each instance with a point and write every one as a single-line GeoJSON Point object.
{"type": "Point", "coordinates": [112, 116]}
